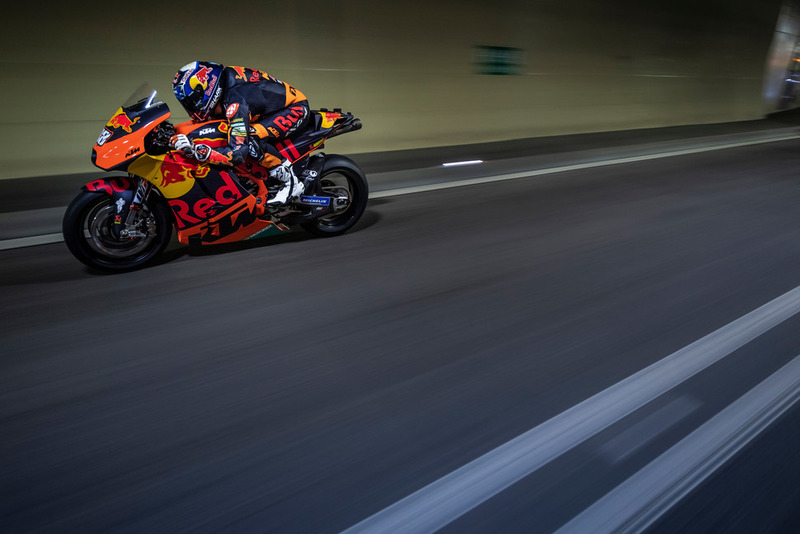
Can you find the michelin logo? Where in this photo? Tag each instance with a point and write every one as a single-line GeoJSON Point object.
{"type": "Point", "coordinates": [315, 201]}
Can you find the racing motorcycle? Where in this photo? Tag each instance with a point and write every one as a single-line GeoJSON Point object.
{"type": "Point", "coordinates": [124, 222]}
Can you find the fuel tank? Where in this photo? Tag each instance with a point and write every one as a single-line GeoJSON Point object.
{"type": "Point", "coordinates": [211, 133]}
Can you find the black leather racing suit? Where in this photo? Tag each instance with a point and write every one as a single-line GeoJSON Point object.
{"type": "Point", "coordinates": [260, 106]}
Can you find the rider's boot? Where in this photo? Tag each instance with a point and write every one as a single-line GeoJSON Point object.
{"type": "Point", "coordinates": [292, 187]}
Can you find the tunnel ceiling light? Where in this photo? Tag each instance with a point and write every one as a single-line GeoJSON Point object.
{"type": "Point", "coordinates": [457, 163]}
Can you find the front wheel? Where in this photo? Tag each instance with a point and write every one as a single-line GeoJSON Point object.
{"type": "Point", "coordinates": [87, 228]}
{"type": "Point", "coordinates": [345, 182]}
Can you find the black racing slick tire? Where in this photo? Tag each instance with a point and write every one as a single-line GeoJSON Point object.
{"type": "Point", "coordinates": [343, 179]}
{"type": "Point", "coordinates": [87, 229]}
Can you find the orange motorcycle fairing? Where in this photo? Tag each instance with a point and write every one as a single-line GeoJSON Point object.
{"type": "Point", "coordinates": [236, 223]}
{"type": "Point", "coordinates": [122, 140]}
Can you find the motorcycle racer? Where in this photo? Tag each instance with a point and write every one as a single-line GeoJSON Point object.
{"type": "Point", "coordinates": [261, 110]}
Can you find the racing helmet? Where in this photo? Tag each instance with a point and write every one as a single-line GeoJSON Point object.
{"type": "Point", "coordinates": [197, 87]}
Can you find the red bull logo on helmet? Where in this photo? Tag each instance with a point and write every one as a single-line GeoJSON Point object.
{"type": "Point", "coordinates": [121, 120]}
{"type": "Point", "coordinates": [200, 78]}
{"type": "Point", "coordinates": [212, 84]}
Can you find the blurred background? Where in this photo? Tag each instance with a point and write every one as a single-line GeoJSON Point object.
{"type": "Point", "coordinates": [419, 75]}
{"type": "Point", "coordinates": [293, 384]}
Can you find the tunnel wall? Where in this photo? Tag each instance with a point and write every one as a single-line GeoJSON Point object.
{"type": "Point", "coordinates": [783, 60]}
{"type": "Point", "coordinates": [416, 76]}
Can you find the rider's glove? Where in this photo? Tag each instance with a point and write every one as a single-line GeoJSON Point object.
{"type": "Point", "coordinates": [182, 143]}
{"type": "Point", "coordinates": [199, 152]}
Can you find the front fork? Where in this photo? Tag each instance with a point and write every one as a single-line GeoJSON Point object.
{"type": "Point", "coordinates": [131, 228]}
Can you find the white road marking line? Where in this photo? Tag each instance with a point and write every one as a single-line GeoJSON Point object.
{"type": "Point", "coordinates": [51, 238]}
{"type": "Point", "coordinates": [20, 242]}
{"type": "Point", "coordinates": [453, 495]}
{"type": "Point", "coordinates": [637, 436]}
{"type": "Point", "coordinates": [638, 502]}
{"type": "Point", "coordinates": [566, 168]}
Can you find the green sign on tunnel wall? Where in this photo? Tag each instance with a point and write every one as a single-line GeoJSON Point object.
{"type": "Point", "coordinates": [498, 60]}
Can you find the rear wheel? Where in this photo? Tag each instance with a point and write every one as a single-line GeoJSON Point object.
{"type": "Point", "coordinates": [88, 224]}
{"type": "Point", "coordinates": [346, 183]}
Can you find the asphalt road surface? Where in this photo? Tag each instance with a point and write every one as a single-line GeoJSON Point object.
{"type": "Point", "coordinates": [298, 384]}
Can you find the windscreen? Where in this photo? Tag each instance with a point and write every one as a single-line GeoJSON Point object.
{"type": "Point", "coordinates": [144, 97]}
